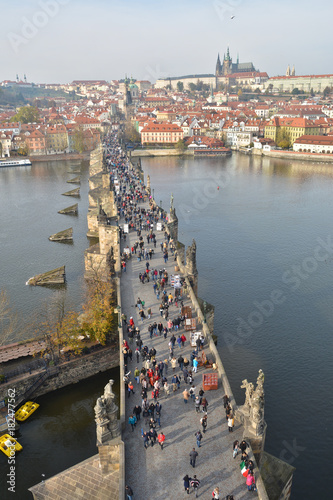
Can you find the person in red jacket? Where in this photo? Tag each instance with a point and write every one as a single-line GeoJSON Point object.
{"type": "Point", "coordinates": [161, 439]}
{"type": "Point", "coordinates": [183, 339]}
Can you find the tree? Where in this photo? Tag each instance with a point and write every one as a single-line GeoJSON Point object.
{"type": "Point", "coordinates": [180, 145]}
{"type": "Point", "coordinates": [295, 91]}
{"type": "Point", "coordinates": [283, 139]}
{"type": "Point", "coordinates": [327, 91]}
{"type": "Point", "coordinates": [26, 114]}
{"type": "Point", "coordinates": [130, 133]}
{"type": "Point", "coordinates": [79, 145]}
{"type": "Point", "coordinates": [99, 320]}
{"type": "Point", "coordinates": [9, 325]}
{"type": "Point", "coordinates": [312, 92]}
{"type": "Point", "coordinates": [192, 86]}
{"type": "Point", "coordinates": [180, 86]}
{"type": "Point", "coordinates": [240, 93]}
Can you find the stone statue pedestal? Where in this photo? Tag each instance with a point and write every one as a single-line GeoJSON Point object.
{"type": "Point", "coordinates": [102, 432]}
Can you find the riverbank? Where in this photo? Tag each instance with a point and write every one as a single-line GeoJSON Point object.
{"type": "Point", "coordinates": [159, 152]}
{"type": "Point", "coordinates": [293, 155]}
{"type": "Point", "coordinates": [60, 157]}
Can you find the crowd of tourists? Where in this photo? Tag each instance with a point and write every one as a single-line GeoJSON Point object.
{"type": "Point", "coordinates": [156, 376]}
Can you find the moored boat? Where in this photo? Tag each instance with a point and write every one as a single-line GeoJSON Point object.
{"type": "Point", "coordinates": [8, 444]}
{"type": "Point", "coordinates": [26, 410]}
{"type": "Point", "coordinates": [15, 163]}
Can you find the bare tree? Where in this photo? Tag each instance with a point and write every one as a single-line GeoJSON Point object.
{"type": "Point", "coordinates": [9, 325]}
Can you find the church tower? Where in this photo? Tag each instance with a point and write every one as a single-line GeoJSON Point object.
{"type": "Point", "coordinates": [227, 64]}
{"type": "Point", "coordinates": [288, 71]}
{"type": "Point", "coordinates": [218, 70]}
{"type": "Point", "coordinates": [293, 71]}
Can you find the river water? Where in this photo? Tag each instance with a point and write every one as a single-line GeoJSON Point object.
{"type": "Point", "coordinates": [264, 235]}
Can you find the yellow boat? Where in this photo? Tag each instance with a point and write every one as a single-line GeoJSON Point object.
{"type": "Point", "coordinates": [26, 410]}
{"type": "Point", "coordinates": [8, 445]}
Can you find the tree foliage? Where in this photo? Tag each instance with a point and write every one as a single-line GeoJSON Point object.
{"type": "Point", "coordinates": [26, 114]}
{"type": "Point", "coordinates": [99, 320]}
{"type": "Point", "coordinates": [180, 145]}
{"type": "Point", "coordinates": [283, 139]}
{"type": "Point", "coordinates": [79, 145]}
{"type": "Point", "coordinates": [180, 86]}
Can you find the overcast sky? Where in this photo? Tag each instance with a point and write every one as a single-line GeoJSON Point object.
{"type": "Point", "coordinates": [62, 40]}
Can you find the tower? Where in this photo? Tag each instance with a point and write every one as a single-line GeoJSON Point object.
{"type": "Point", "coordinates": [227, 64]}
{"type": "Point", "coordinates": [293, 71]}
{"type": "Point", "coordinates": [218, 70]}
{"type": "Point", "coordinates": [288, 71]}
{"type": "Point", "coordinates": [25, 78]}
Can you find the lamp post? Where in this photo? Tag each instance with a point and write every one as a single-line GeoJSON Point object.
{"type": "Point", "coordinates": [161, 203]}
{"type": "Point", "coordinates": [153, 194]}
{"type": "Point", "coordinates": [205, 307]}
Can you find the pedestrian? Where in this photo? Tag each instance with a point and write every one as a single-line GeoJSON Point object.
{"type": "Point", "coordinates": [152, 436]}
{"type": "Point", "coordinates": [197, 404]}
{"type": "Point", "coordinates": [158, 409]}
{"type": "Point", "coordinates": [204, 404]}
{"type": "Point", "coordinates": [231, 423]}
{"type": "Point", "coordinates": [250, 482]}
{"type": "Point", "coordinates": [235, 449]}
{"type": "Point", "coordinates": [195, 485]}
{"type": "Point", "coordinates": [195, 365]}
{"type": "Point", "coordinates": [203, 422]}
{"type": "Point", "coordinates": [145, 436]}
{"type": "Point", "coordinates": [192, 392]}
{"type": "Point", "coordinates": [198, 436]}
{"type": "Point", "coordinates": [186, 396]}
{"type": "Point", "coordinates": [181, 362]}
{"type": "Point", "coordinates": [132, 421]}
{"type": "Point", "coordinates": [137, 375]}
{"type": "Point", "coordinates": [161, 439]}
{"type": "Point", "coordinates": [243, 445]}
{"type": "Point", "coordinates": [226, 400]}
{"type": "Point", "coordinates": [216, 493]}
{"type": "Point", "coordinates": [129, 492]}
{"type": "Point", "coordinates": [187, 480]}
{"type": "Point", "coordinates": [166, 389]}
{"type": "Point", "coordinates": [130, 388]}
{"type": "Point", "coordinates": [193, 457]}
{"type": "Point", "coordinates": [137, 412]}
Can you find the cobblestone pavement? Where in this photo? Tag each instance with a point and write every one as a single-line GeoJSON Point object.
{"type": "Point", "coordinates": [156, 474]}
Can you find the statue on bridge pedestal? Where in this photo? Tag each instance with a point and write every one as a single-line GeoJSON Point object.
{"type": "Point", "coordinates": [106, 411]}
{"type": "Point", "coordinates": [251, 413]}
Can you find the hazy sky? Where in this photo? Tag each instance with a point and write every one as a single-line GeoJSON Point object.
{"type": "Point", "coordinates": [62, 40]}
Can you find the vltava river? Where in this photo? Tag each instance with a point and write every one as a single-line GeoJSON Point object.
{"type": "Point", "coordinates": [265, 260]}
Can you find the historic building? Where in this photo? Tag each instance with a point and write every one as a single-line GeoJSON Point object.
{"type": "Point", "coordinates": [227, 73]}
{"type": "Point", "coordinates": [229, 68]}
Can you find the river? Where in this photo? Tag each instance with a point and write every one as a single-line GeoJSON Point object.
{"type": "Point", "coordinates": [264, 234]}
{"type": "Point", "coordinates": [263, 229]}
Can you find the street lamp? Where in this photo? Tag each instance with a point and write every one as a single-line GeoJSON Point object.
{"type": "Point", "coordinates": [161, 203]}
{"type": "Point", "coordinates": [153, 194]}
{"type": "Point", "coordinates": [205, 307]}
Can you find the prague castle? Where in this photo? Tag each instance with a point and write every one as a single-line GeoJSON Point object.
{"type": "Point", "coordinates": [227, 74]}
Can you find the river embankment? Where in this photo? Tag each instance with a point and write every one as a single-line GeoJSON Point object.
{"type": "Point", "coordinates": [294, 155]}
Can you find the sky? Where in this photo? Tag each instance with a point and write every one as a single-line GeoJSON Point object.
{"type": "Point", "coordinates": [57, 41]}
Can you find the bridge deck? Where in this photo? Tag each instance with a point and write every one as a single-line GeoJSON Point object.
{"type": "Point", "coordinates": [154, 473]}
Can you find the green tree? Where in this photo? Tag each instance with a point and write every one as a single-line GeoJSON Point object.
{"type": "Point", "coordinates": [79, 145]}
{"type": "Point", "coordinates": [295, 91]}
{"type": "Point", "coordinates": [180, 145]}
{"type": "Point", "coordinates": [283, 139]}
{"type": "Point", "coordinates": [327, 91]}
{"type": "Point", "coordinates": [26, 114]}
{"type": "Point", "coordinates": [192, 86]}
{"type": "Point", "coordinates": [180, 86]}
{"type": "Point", "coordinates": [312, 92]}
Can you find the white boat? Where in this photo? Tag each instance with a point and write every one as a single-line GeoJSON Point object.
{"type": "Point", "coordinates": [15, 163]}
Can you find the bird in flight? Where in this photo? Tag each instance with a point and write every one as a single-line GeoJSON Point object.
{"type": "Point", "coordinates": [232, 17]}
